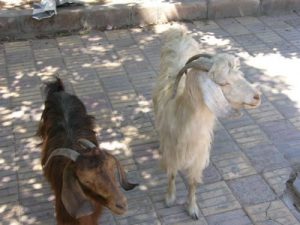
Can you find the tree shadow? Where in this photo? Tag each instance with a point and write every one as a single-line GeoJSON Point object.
{"type": "Point", "coordinates": [113, 73]}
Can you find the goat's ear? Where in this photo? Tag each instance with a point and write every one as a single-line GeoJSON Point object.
{"type": "Point", "coordinates": [122, 177]}
{"type": "Point", "coordinates": [73, 197]}
{"type": "Point", "coordinates": [214, 98]}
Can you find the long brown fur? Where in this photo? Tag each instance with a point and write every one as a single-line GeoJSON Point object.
{"type": "Point", "coordinates": [64, 120]}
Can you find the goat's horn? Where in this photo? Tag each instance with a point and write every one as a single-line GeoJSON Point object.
{"type": "Point", "coordinates": [67, 152]}
{"type": "Point", "coordinates": [126, 185]}
{"type": "Point", "coordinates": [86, 143]}
{"type": "Point", "coordinates": [201, 63]}
{"type": "Point", "coordinates": [195, 57]}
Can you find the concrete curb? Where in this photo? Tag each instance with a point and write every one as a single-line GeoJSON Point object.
{"type": "Point", "coordinates": [15, 24]}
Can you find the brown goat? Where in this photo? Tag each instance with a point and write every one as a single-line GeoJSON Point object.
{"type": "Point", "coordinates": [81, 175]}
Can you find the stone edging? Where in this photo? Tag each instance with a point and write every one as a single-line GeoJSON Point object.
{"type": "Point", "coordinates": [19, 23]}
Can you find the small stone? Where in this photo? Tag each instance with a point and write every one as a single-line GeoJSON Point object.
{"type": "Point", "coordinates": [296, 186]}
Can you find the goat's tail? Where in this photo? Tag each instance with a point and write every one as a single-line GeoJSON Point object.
{"type": "Point", "coordinates": [54, 86]}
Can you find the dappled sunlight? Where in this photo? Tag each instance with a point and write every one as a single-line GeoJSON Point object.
{"type": "Point", "coordinates": [213, 44]}
{"type": "Point", "coordinates": [6, 116]}
{"type": "Point", "coordinates": [130, 55]}
{"type": "Point", "coordinates": [282, 70]}
{"type": "Point", "coordinates": [210, 39]}
{"type": "Point", "coordinates": [4, 92]}
{"type": "Point", "coordinates": [10, 167]}
{"type": "Point", "coordinates": [97, 49]}
{"type": "Point", "coordinates": [147, 42]}
{"type": "Point", "coordinates": [144, 105]}
{"type": "Point", "coordinates": [22, 113]}
{"type": "Point", "coordinates": [27, 4]}
{"type": "Point", "coordinates": [30, 184]}
{"type": "Point", "coordinates": [23, 80]}
{"type": "Point", "coordinates": [13, 4]}
{"type": "Point", "coordinates": [116, 146]}
{"type": "Point", "coordinates": [274, 64]}
{"type": "Point", "coordinates": [113, 74]}
{"type": "Point", "coordinates": [131, 135]}
{"type": "Point", "coordinates": [11, 213]}
{"type": "Point", "coordinates": [107, 66]}
{"type": "Point", "coordinates": [47, 71]}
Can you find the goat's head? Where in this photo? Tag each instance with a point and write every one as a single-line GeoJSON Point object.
{"type": "Point", "coordinates": [91, 177]}
{"type": "Point", "coordinates": [229, 87]}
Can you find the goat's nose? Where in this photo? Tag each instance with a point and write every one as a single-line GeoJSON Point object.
{"type": "Point", "coordinates": [121, 205]}
{"type": "Point", "coordinates": [121, 202]}
{"type": "Point", "coordinates": [256, 97]}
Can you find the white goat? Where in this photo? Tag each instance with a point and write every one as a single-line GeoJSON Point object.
{"type": "Point", "coordinates": [186, 107]}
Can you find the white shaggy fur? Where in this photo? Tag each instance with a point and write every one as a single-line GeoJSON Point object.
{"type": "Point", "coordinates": [185, 123]}
{"type": "Point", "coordinates": [181, 121]}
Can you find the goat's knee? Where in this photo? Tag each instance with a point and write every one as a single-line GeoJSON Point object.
{"type": "Point", "coordinates": [171, 191]}
{"type": "Point", "coordinates": [192, 206]}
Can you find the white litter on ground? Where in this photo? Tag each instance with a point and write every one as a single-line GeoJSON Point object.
{"type": "Point", "coordinates": [47, 8]}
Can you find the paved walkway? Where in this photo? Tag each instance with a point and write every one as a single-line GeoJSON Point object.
{"type": "Point", "coordinates": [113, 73]}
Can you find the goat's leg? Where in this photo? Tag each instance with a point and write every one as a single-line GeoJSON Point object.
{"type": "Point", "coordinates": [192, 206]}
{"type": "Point", "coordinates": [87, 220]}
{"type": "Point", "coordinates": [171, 191]}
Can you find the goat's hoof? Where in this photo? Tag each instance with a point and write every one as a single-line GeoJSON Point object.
{"type": "Point", "coordinates": [194, 212]}
{"type": "Point", "coordinates": [170, 200]}
{"type": "Point", "coordinates": [195, 217]}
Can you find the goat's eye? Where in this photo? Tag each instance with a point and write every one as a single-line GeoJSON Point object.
{"type": "Point", "coordinates": [87, 182]}
{"type": "Point", "coordinates": [224, 84]}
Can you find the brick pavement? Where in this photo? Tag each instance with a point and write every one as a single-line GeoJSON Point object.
{"type": "Point", "coordinates": [113, 73]}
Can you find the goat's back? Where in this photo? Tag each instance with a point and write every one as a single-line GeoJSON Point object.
{"type": "Point", "coordinates": [177, 48]}
{"type": "Point", "coordinates": [64, 120]}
